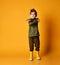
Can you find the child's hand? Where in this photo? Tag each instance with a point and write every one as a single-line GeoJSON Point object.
{"type": "Point", "coordinates": [27, 20]}
{"type": "Point", "coordinates": [38, 20]}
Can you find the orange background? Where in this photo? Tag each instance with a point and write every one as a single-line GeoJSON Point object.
{"type": "Point", "coordinates": [14, 29]}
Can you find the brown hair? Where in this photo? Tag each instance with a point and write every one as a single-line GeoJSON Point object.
{"type": "Point", "coordinates": [33, 10]}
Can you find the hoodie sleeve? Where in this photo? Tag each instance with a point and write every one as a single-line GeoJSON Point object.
{"type": "Point", "coordinates": [34, 22]}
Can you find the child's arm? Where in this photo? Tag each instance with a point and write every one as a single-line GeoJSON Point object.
{"type": "Point", "coordinates": [31, 23]}
{"type": "Point", "coordinates": [27, 20]}
{"type": "Point", "coordinates": [38, 19]}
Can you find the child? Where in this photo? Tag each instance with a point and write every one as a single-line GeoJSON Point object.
{"type": "Point", "coordinates": [33, 34]}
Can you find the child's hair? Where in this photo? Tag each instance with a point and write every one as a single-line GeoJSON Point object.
{"type": "Point", "coordinates": [33, 10]}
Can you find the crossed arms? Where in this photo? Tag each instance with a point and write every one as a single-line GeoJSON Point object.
{"type": "Point", "coordinates": [31, 23]}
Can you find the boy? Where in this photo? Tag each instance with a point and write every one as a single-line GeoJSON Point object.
{"type": "Point", "coordinates": [33, 34]}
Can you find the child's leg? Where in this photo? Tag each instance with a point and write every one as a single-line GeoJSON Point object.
{"type": "Point", "coordinates": [37, 45]}
{"type": "Point", "coordinates": [31, 47]}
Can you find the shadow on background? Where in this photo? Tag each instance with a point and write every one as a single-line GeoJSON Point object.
{"type": "Point", "coordinates": [49, 29]}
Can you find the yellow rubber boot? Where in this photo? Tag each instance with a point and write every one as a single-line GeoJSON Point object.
{"type": "Point", "coordinates": [37, 55]}
{"type": "Point", "coordinates": [31, 56]}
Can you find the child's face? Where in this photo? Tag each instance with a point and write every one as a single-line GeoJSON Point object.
{"type": "Point", "coordinates": [32, 15]}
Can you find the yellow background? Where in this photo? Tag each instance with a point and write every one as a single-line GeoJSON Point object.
{"type": "Point", "coordinates": [14, 28]}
